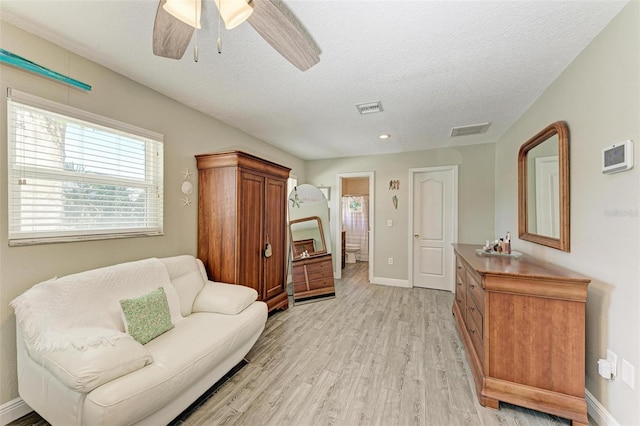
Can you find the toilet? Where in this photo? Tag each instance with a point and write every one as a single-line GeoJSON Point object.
{"type": "Point", "coordinates": [351, 250]}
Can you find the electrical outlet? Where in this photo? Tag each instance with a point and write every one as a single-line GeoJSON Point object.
{"type": "Point", "coordinates": [391, 261]}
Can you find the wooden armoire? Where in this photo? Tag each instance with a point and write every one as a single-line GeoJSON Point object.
{"type": "Point", "coordinates": [242, 204]}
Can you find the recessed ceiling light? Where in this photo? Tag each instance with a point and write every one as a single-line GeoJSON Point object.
{"type": "Point", "coordinates": [385, 136]}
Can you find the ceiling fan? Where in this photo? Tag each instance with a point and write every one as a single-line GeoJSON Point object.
{"type": "Point", "coordinates": [176, 20]}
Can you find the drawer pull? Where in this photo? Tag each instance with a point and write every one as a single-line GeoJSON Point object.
{"type": "Point", "coordinates": [471, 308]}
{"type": "Point", "coordinates": [471, 286]}
{"type": "Point", "coordinates": [472, 331]}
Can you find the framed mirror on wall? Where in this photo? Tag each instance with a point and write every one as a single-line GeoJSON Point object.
{"type": "Point", "coordinates": [543, 188]}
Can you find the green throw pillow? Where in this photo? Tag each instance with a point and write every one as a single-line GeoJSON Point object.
{"type": "Point", "coordinates": [146, 317]}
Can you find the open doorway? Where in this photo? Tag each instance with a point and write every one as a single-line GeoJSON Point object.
{"type": "Point", "coordinates": [355, 222]}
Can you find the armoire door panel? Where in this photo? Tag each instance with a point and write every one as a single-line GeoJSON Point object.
{"type": "Point", "coordinates": [275, 220]}
{"type": "Point", "coordinates": [250, 241]}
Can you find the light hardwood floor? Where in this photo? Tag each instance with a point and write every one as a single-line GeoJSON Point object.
{"type": "Point", "coordinates": [373, 355]}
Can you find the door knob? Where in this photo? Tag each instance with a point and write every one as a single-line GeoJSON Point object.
{"type": "Point", "coordinates": [416, 235]}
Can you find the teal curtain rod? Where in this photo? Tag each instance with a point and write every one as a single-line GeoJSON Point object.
{"type": "Point", "coordinates": [20, 62]}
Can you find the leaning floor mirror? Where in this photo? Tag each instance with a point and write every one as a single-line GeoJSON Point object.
{"type": "Point", "coordinates": [310, 239]}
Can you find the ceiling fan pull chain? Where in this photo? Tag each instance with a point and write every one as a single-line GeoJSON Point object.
{"type": "Point", "coordinates": [195, 49]}
{"type": "Point", "coordinates": [219, 27]}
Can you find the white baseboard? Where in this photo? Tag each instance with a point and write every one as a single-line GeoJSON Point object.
{"type": "Point", "coordinates": [597, 411]}
{"type": "Point", "coordinates": [13, 410]}
{"type": "Point", "coordinates": [391, 282]}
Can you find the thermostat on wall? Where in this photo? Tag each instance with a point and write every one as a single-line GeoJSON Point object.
{"type": "Point", "coordinates": [617, 157]}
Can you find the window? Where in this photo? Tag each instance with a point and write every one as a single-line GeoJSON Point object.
{"type": "Point", "coordinates": [74, 175]}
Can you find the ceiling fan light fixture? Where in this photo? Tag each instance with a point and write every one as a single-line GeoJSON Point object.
{"type": "Point", "coordinates": [188, 11]}
{"type": "Point", "coordinates": [233, 12]}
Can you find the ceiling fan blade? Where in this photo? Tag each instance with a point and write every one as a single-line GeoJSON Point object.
{"type": "Point", "coordinates": [273, 20]}
{"type": "Point", "coordinates": [171, 36]}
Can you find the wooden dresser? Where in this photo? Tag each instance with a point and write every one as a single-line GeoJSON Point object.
{"type": "Point", "coordinates": [313, 277]}
{"type": "Point", "coordinates": [523, 326]}
{"type": "Point", "coordinates": [242, 204]}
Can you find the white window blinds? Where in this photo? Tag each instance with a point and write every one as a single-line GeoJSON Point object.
{"type": "Point", "coordinates": [74, 175]}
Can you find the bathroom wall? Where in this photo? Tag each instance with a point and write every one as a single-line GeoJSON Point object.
{"type": "Point", "coordinates": [355, 186]}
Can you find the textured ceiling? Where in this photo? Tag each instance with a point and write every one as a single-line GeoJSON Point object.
{"type": "Point", "coordinates": [433, 65]}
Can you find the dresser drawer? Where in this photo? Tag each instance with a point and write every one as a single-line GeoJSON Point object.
{"type": "Point", "coordinates": [317, 271]}
{"type": "Point", "coordinates": [475, 290]}
{"type": "Point", "coordinates": [474, 318]}
{"type": "Point", "coordinates": [461, 292]}
{"type": "Point", "coordinates": [300, 287]}
{"type": "Point", "coordinates": [321, 283]}
{"type": "Point", "coordinates": [475, 332]}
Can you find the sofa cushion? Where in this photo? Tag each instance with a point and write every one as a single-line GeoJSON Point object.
{"type": "Point", "coordinates": [186, 276]}
{"type": "Point", "coordinates": [229, 299]}
{"type": "Point", "coordinates": [147, 316]}
{"type": "Point", "coordinates": [197, 345]}
{"type": "Point", "coordinates": [85, 369]}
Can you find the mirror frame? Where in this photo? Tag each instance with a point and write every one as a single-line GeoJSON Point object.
{"type": "Point", "coordinates": [562, 242]}
{"type": "Point", "coordinates": [324, 243]}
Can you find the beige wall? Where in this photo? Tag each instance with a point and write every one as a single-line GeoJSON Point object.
{"type": "Point", "coordinates": [598, 96]}
{"type": "Point", "coordinates": [475, 197]}
{"type": "Point", "coordinates": [186, 133]}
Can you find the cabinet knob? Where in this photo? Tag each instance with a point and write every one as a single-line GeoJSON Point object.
{"type": "Point", "coordinates": [472, 331]}
{"type": "Point", "coordinates": [471, 308]}
{"type": "Point", "coordinates": [471, 286]}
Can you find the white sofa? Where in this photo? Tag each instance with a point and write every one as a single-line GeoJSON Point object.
{"type": "Point", "coordinates": [77, 366]}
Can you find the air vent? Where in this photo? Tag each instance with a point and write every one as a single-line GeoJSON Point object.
{"type": "Point", "coordinates": [474, 129]}
{"type": "Point", "coordinates": [370, 108]}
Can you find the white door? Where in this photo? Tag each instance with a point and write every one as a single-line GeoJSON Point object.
{"type": "Point", "coordinates": [548, 196]}
{"type": "Point", "coordinates": [434, 227]}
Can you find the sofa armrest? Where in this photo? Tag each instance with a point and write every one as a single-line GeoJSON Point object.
{"type": "Point", "coordinates": [230, 299]}
{"type": "Point", "coordinates": [85, 369]}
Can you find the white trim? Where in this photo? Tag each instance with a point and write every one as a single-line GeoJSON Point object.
{"type": "Point", "coordinates": [58, 108]}
{"type": "Point", "coordinates": [338, 229]}
{"type": "Point", "coordinates": [412, 172]}
{"type": "Point", "coordinates": [393, 282]}
{"type": "Point", "coordinates": [597, 411]}
{"type": "Point", "coordinates": [13, 410]}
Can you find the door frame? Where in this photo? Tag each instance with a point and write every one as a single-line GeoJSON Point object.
{"type": "Point", "coordinates": [412, 173]}
{"type": "Point", "coordinates": [338, 227]}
